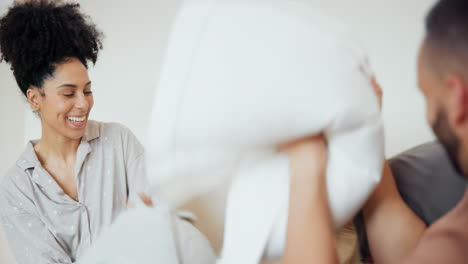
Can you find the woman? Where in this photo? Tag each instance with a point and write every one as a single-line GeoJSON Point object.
{"type": "Point", "coordinates": [76, 179]}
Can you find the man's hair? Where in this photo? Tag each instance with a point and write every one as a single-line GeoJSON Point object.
{"type": "Point", "coordinates": [37, 36]}
{"type": "Point", "coordinates": [447, 30]}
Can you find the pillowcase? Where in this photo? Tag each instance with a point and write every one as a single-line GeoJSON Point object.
{"type": "Point", "coordinates": [240, 78]}
{"type": "Point", "coordinates": [150, 235]}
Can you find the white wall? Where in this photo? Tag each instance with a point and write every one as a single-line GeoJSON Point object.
{"type": "Point", "coordinates": [127, 72]}
{"type": "Point", "coordinates": [11, 133]}
{"type": "Point", "coordinates": [12, 112]}
{"type": "Point", "coordinates": [392, 32]}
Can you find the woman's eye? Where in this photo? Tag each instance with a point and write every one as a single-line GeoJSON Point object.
{"type": "Point", "coordinates": [69, 95]}
{"type": "Point", "coordinates": [88, 92]}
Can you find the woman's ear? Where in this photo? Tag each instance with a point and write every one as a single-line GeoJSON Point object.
{"type": "Point", "coordinates": [34, 98]}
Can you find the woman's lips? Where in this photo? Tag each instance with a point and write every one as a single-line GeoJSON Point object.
{"type": "Point", "coordinates": [77, 121]}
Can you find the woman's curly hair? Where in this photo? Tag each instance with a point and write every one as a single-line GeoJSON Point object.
{"type": "Point", "coordinates": [37, 36]}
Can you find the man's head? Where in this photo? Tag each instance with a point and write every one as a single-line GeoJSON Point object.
{"type": "Point", "coordinates": [443, 77]}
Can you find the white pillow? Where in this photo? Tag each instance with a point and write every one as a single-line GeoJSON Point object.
{"type": "Point", "coordinates": [242, 76]}
{"type": "Point", "coordinates": [149, 235]}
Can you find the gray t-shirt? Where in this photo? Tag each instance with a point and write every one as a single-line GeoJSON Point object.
{"type": "Point", "coordinates": [426, 181]}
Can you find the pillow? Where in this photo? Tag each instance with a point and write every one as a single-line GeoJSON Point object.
{"type": "Point", "coordinates": [426, 181]}
{"type": "Point", "coordinates": [149, 235]}
{"type": "Point", "coordinates": [240, 78]}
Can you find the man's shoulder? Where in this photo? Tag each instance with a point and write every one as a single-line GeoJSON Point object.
{"type": "Point", "coordinates": [427, 181]}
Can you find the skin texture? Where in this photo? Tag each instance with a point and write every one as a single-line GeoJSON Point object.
{"type": "Point", "coordinates": [443, 84]}
{"type": "Point", "coordinates": [48, 44]}
{"type": "Point", "coordinates": [310, 230]}
{"type": "Point", "coordinates": [66, 94]}
{"type": "Point", "coordinates": [308, 198]}
{"type": "Point", "coordinates": [386, 214]}
{"type": "Point", "coordinates": [310, 233]}
{"type": "Point", "coordinates": [446, 93]}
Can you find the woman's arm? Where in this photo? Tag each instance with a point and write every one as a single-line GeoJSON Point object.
{"type": "Point", "coordinates": [31, 241]}
{"type": "Point", "coordinates": [310, 237]}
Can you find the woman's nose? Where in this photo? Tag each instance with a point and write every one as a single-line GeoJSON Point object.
{"type": "Point", "coordinates": [82, 102]}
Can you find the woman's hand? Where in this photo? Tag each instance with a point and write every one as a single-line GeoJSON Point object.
{"type": "Point", "coordinates": [307, 156]}
{"type": "Point", "coordinates": [310, 237]}
{"type": "Point", "coordinates": [144, 198]}
{"type": "Point", "coordinates": [377, 89]}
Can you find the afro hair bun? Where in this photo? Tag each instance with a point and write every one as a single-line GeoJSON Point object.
{"type": "Point", "coordinates": [37, 35]}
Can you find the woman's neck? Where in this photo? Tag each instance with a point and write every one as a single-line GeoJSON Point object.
{"type": "Point", "coordinates": [56, 146]}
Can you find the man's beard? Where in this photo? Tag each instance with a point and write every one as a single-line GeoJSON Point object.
{"type": "Point", "coordinates": [448, 139]}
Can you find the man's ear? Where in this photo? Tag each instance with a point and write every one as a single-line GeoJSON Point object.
{"type": "Point", "coordinates": [34, 98]}
{"type": "Point", "coordinates": [458, 99]}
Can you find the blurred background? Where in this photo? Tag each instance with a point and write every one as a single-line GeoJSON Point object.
{"type": "Point", "coordinates": [126, 75]}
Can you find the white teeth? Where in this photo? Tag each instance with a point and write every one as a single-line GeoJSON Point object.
{"type": "Point", "coordinates": [76, 119]}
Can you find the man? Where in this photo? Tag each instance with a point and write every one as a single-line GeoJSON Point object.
{"type": "Point", "coordinates": [419, 174]}
{"type": "Point", "coordinates": [396, 234]}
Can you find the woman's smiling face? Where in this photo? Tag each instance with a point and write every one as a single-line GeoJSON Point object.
{"type": "Point", "coordinates": [65, 100]}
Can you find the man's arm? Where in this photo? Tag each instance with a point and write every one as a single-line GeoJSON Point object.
{"type": "Point", "coordinates": [393, 229]}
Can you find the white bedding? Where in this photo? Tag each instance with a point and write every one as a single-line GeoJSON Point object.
{"type": "Point", "coordinates": [242, 76]}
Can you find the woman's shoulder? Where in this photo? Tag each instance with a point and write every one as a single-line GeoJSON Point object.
{"type": "Point", "coordinates": [11, 176]}
{"type": "Point", "coordinates": [13, 188]}
{"type": "Point", "coordinates": [19, 172]}
{"type": "Point", "coordinates": [106, 129]}
{"type": "Point", "coordinates": [113, 134]}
